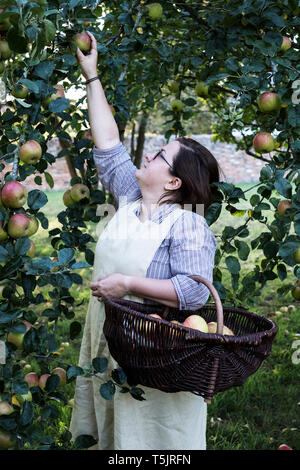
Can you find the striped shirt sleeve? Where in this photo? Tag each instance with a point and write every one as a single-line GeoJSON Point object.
{"type": "Point", "coordinates": [192, 252]}
{"type": "Point", "coordinates": [116, 172]}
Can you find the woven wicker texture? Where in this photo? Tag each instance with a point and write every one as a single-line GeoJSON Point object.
{"type": "Point", "coordinates": [172, 358]}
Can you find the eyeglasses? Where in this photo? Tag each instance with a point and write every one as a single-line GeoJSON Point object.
{"type": "Point", "coordinates": [159, 153]}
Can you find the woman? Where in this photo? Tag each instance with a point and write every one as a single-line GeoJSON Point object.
{"type": "Point", "coordinates": [146, 253]}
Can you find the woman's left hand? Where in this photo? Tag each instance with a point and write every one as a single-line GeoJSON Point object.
{"type": "Point", "coordinates": [113, 285]}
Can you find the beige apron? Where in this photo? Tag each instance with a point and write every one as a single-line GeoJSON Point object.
{"type": "Point", "coordinates": [164, 421]}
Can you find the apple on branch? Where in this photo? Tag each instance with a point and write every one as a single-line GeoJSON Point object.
{"type": "Point", "coordinates": [5, 408]}
{"type": "Point", "coordinates": [5, 51]}
{"type": "Point", "coordinates": [43, 380]}
{"type": "Point", "coordinates": [20, 91]}
{"type": "Point", "coordinates": [6, 441]}
{"type": "Point", "coordinates": [30, 152]}
{"type": "Point", "coordinates": [62, 375]}
{"type": "Point", "coordinates": [32, 379]}
{"type": "Point", "coordinates": [18, 226]}
{"type": "Point", "coordinates": [263, 142]}
{"type": "Point", "coordinates": [283, 206]}
{"type": "Point", "coordinates": [13, 194]}
{"type": "Point", "coordinates": [18, 338]}
{"type": "Point", "coordinates": [33, 225]}
{"type": "Point", "coordinates": [79, 192]}
{"type": "Point", "coordinates": [155, 11]}
{"type": "Point", "coordinates": [269, 102]}
{"type": "Point", "coordinates": [201, 90]}
{"type": "Point", "coordinates": [286, 43]}
{"type": "Point", "coordinates": [177, 106]}
{"type": "Point", "coordinates": [31, 251]}
{"type": "Point", "coordinates": [60, 93]}
{"type": "Point", "coordinates": [3, 233]}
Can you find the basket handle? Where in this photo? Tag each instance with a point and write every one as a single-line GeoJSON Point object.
{"type": "Point", "coordinates": [214, 293]}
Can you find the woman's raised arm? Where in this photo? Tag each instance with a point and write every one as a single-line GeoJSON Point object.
{"type": "Point", "coordinates": [103, 126]}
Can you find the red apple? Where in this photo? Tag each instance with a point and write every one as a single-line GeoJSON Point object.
{"type": "Point", "coordinates": [18, 226]}
{"type": "Point", "coordinates": [13, 194]}
{"type": "Point", "coordinates": [283, 206]}
{"type": "Point", "coordinates": [42, 380]}
{"type": "Point", "coordinates": [268, 102]}
{"type": "Point", "coordinates": [263, 142]}
{"type": "Point", "coordinates": [196, 322]}
{"type": "Point", "coordinates": [286, 43]}
{"type": "Point", "coordinates": [5, 408]}
{"type": "Point", "coordinates": [30, 152]}
{"type": "Point", "coordinates": [284, 447]}
{"type": "Point", "coordinates": [62, 375]}
{"type": "Point", "coordinates": [83, 41]}
{"type": "Point", "coordinates": [32, 379]}
{"type": "Point", "coordinates": [60, 93]}
{"type": "Point", "coordinates": [79, 191]}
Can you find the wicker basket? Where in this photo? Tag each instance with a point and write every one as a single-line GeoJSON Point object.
{"type": "Point", "coordinates": [172, 358]}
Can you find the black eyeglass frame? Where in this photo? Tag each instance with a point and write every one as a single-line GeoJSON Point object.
{"type": "Point", "coordinates": [159, 153]}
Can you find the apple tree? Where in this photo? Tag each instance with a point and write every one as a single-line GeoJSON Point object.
{"type": "Point", "coordinates": [239, 60]}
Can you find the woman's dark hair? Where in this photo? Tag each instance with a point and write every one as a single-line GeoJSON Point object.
{"type": "Point", "coordinates": [197, 168]}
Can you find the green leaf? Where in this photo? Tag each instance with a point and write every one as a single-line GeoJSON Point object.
{"type": "Point", "coordinates": [27, 413]}
{"type": "Point", "coordinates": [233, 264]}
{"type": "Point", "coordinates": [50, 30]}
{"type": "Point", "coordinates": [52, 383]}
{"type": "Point", "coordinates": [270, 249]}
{"type": "Point", "coordinates": [49, 179]}
{"type": "Point", "coordinates": [59, 105]}
{"type": "Point", "coordinates": [107, 390]}
{"type": "Point", "coordinates": [243, 249]}
{"type": "Point", "coordinates": [100, 364]}
{"type": "Point", "coordinates": [16, 42]}
{"type": "Point", "coordinates": [44, 70]}
{"type": "Point", "coordinates": [74, 371]}
{"type": "Point", "coordinates": [22, 246]}
{"type": "Point", "coordinates": [84, 441]}
{"type": "Point", "coordinates": [137, 393]}
{"type": "Point", "coordinates": [65, 256]}
{"type": "Point", "coordinates": [282, 273]}
{"type": "Point", "coordinates": [4, 255]}
{"type": "Point", "coordinates": [119, 376]}
{"type": "Point", "coordinates": [283, 187]}
{"type": "Point", "coordinates": [36, 199]}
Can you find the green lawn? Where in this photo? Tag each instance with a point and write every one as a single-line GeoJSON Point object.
{"type": "Point", "coordinates": [264, 412]}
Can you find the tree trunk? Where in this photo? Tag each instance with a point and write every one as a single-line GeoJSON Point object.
{"type": "Point", "coordinates": [71, 167]}
{"type": "Point", "coordinates": [132, 149]}
{"type": "Point", "coordinates": [141, 139]}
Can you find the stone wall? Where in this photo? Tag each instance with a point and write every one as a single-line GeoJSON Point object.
{"type": "Point", "coordinates": [236, 165]}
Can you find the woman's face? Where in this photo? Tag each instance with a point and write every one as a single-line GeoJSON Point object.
{"type": "Point", "coordinates": [154, 170]}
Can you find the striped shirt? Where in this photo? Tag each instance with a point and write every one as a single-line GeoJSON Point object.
{"type": "Point", "coordinates": [188, 249]}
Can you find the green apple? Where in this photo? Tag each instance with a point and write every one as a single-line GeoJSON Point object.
{"type": "Point", "coordinates": [20, 91]}
{"type": "Point", "coordinates": [18, 338]}
{"type": "Point", "coordinates": [177, 106]}
{"type": "Point", "coordinates": [67, 200]}
{"type": "Point", "coordinates": [33, 225]}
{"type": "Point", "coordinates": [201, 90]}
{"type": "Point", "coordinates": [3, 233]}
{"type": "Point", "coordinates": [5, 51]}
{"type": "Point", "coordinates": [173, 86]}
{"type": "Point", "coordinates": [83, 41]}
{"type": "Point", "coordinates": [155, 10]}
{"type": "Point", "coordinates": [79, 191]}
{"type": "Point", "coordinates": [286, 43]}
{"type": "Point", "coordinates": [31, 251]}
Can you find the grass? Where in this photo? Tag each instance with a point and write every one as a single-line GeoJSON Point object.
{"type": "Point", "coordinates": [264, 412]}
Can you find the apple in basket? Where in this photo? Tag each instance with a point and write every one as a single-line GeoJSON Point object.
{"type": "Point", "coordinates": [176, 322]}
{"type": "Point", "coordinates": [196, 322]}
{"type": "Point", "coordinates": [154, 315]}
{"type": "Point", "coordinates": [212, 328]}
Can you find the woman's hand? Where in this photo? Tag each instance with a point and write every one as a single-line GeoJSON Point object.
{"type": "Point", "coordinates": [113, 285]}
{"type": "Point", "coordinates": [88, 63]}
